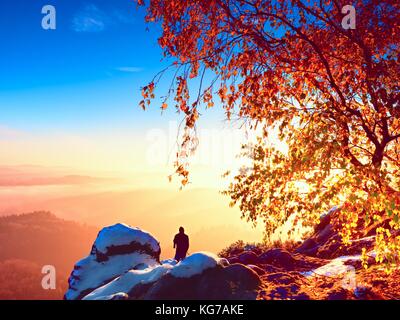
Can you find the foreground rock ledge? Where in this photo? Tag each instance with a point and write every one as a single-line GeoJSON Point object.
{"type": "Point", "coordinates": [124, 264]}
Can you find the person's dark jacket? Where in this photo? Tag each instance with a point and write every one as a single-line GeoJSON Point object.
{"type": "Point", "coordinates": [181, 243]}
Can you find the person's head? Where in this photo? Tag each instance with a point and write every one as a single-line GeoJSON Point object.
{"type": "Point", "coordinates": [181, 230]}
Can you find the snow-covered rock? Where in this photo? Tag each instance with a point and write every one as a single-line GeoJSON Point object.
{"type": "Point", "coordinates": [126, 282]}
{"type": "Point", "coordinates": [121, 237]}
{"type": "Point", "coordinates": [195, 264]}
{"type": "Point", "coordinates": [117, 249]}
{"type": "Point", "coordinates": [335, 267]}
{"type": "Point", "coordinates": [124, 264]}
{"type": "Point", "coordinates": [209, 280]}
{"type": "Point", "coordinates": [326, 243]}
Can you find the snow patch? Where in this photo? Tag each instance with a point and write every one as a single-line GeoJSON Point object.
{"type": "Point", "coordinates": [171, 262]}
{"type": "Point", "coordinates": [122, 234]}
{"type": "Point", "coordinates": [329, 212]}
{"type": "Point", "coordinates": [127, 282]}
{"type": "Point", "coordinates": [334, 268]}
{"type": "Point", "coordinates": [116, 296]}
{"type": "Point", "coordinates": [337, 266]}
{"type": "Point", "coordinates": [123, 257]}
{"type": "Point", "coordinates": [91, 273]}
{"type": "Point", "coordinates": [195, 264]}
{"type": "Point", "coordinates": [365, 239]}
{"type": "Point", "coordinates": [192, 265]}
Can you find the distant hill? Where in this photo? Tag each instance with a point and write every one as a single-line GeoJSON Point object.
{"type": "Point", "coordinates": [29, 241]}
{"type": "Point", "coordinates": [43, 238]}
{"type": "Point", "coordinates": [21, 280]}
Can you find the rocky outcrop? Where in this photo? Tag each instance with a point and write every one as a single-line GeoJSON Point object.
{"type": "Point", "coordinates": [321, 267]}
{"type": "Point", "coordinates": [326, 243]}
{"type": "Point", "coordinates": [124, 264]}
{"type": "Point", "coordinates": [116, 250]}
{"type": "Point", "coordinates": [213, 284]}
{"type": "Point", "coordinates": [276, 260]}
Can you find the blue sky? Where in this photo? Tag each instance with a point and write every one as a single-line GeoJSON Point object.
{"type": "Point", "coordinates": [71, 95]}
{"type": "Point", "coordinates": [92, 40]}
{"type": "Point", "coordinates": [86, 72]}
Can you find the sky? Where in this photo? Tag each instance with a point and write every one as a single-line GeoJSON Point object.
{"type": "Point", "coordinates": [69, 97]}
{"type": "Point", "coordinates": [85, 74]}
{"type": "Point", "coordinates": [73, 136]}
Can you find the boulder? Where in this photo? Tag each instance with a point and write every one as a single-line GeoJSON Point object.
{"type": "Point", "coordinates": [116, 250]}
{"type": "Point", "coordinates": [124, 264]}
{"type": "Point", "coordinates": [323, 232]}
{"type": "Point", "coordinates": [285, 278]}
{"type": "Point", "coordinates": [248, 257]}
{"type": "Point", "coordinates": [284, 285]}
{"type": "Point", "coordinates": [339, 294]}
{"type": "Point", "coordinates": [270, 269]}
{"type": "Point", "coordinates": [234, 282]}
{"type": "Point", "coordinates": [308, 247]}
{"type": "Point", "coordinates": [278, 258]}
{"type": "Point", "coordinates": [195, 264]}
{"type": "Point", "coordinates": [325, 219]}
{"type": "Point", "coordinates": [242, 276]}
{"type": "Point", "coordinates": [326, 233]}
{"type": "Point", "coordinates": [199, 276]}
{"type": "Point", "coordinates": [329, 248]}
{"type": "Point", "coordinates": [260, 271]}
{"type": "Point", "coordinates": [233, 259]}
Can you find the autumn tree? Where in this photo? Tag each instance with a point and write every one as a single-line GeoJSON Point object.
{"type": "Point", "coordinates": [331, 92]}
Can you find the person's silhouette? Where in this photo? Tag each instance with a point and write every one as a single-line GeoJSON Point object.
{"type": "Point", "coordinates": [181, 243]}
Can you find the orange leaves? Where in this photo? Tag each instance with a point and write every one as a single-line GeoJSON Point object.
{"type": "Point", "coordinates": [147, 94]}
{"type": "Point", "coordinates": [181, 170]}
{"type": "Point", "coordinates": [222, 92]}
{"type": "Point", "coordinates": [191, 118]}
{"type": "Point", "coordinates": [182, 94]}
{"type": "Point", "coordinates": [332, 96]}
{"type": "Point", "coordinates": [148, 91]}
{"type": "Point", "coordinates": [194, 70]}
{"type": "Point", "coordinates": [208, 98]}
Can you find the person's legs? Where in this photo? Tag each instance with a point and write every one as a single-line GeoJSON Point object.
{"type": "Point", "coordinates": [180, 255]}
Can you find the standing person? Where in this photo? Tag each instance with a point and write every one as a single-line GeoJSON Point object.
{"type": "Point", "coordinates": [181, 243]}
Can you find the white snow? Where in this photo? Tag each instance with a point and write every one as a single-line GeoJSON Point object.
{"type": "Point", "coordinates": [192, 265]}
{"type": "Point", "coordinates": [372, 254]}
{"type": "Point", "coordinates": [120, 234]}
{"type": "Point", "coordinates": [338, 267]}
{"type": "Point", "coordinates": [172, 262]}
{"type": "Point", "coordinates": [330, 211]}
{"type": "Point", "coordinates": [195, 264]}
{"type": "Point", "coordinates": [127, 281]}
{"type": "Point", "coordinates": [224, 262]}
{"type": "Point", "coordinates": [120, 273]}
{"type": "Point", "coordinates": [335, 267]}
{"type": "Point", "coordinates": [365, 239]}
{"type": "Point", "coordinates": [90, 273]}
{"type": "Point", "coordinates": [119, 295]}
